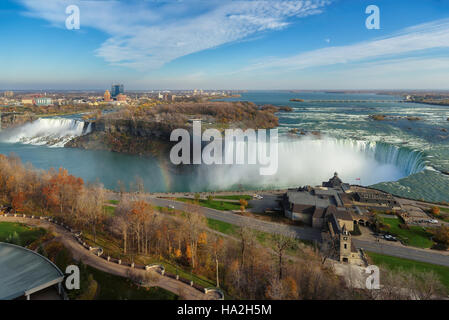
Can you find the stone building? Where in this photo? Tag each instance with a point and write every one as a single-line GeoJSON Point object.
{"type": "Point", "coordinates": [376, 198]}
{"type": "Point", "coordinates": [327, 208]}
{"type": "Point", "coordinates": [340, 236]}
{"type": "Point", "coordinates": [311, 204]}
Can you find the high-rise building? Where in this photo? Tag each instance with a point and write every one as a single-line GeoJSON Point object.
{"type": "Point", "coordinates": [8, 94]}
{"type": "Point", "coordinates": [117, 89]}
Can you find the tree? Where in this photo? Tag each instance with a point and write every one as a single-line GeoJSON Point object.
{"type": "Point", "coordinates": [18, 200]}
{"type": "Point", "coordinates": [197, 197]}
{"type": "Point", "coordinates": [194, 223]}
{"type": "Point", "coordinates": [435, 211]}
{"type": "Point", "coordinates": [121, 188]}
{"type": "Point", "coordinates": [247, 240]}
{"type": "Point", "coordinates": [441, 234]}
{"type": "Point", "coordinates": [217, 247]}
{"type": "Point", "coordinates": [281, 244]}
{"type": "Point", "coordinates": [90, 207]}
{"type": "Point", "coordinates": [122, 225]}
{"type": "Point", "coordinates": [62, 190]}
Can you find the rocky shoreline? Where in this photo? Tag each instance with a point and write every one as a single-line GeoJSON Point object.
{"type": "Point", "coordinates": [12, 120]}
{"type": "Point", "coordinates": [149, 132]}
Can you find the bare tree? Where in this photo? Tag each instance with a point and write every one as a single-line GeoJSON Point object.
{"type": "Point", "coordinates": [282, 243]}
{"type": "Point", "coordinates": [247, 240]}
{"type": "Point", "coordinates": [194, 223]}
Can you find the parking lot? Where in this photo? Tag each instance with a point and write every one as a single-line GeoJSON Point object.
{"type": "Point", "coordinates": [268, 202]}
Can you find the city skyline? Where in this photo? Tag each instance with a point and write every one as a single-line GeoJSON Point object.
{"type": "Point", "coordinates": [322, 44]}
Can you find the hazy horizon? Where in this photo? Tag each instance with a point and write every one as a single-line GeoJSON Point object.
{"type": "Point", "coordinates": [236, 45]}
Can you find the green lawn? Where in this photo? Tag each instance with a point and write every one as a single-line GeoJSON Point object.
{"type": "Point", "coordinates": [394, 263]}
{"type": "Point", "coordinates": [111, 287]}
{"type": "Point", "coordinates": [113, 202]}
{"type": "Point", "coordinates": [444, 209]}
{"type": "Point", "coordinates": [222, 227]}
{"type": "Point", "coordinates": [415, 236]}
{"type": "Point", "coordinates": [235, 197]}
{"type": "Point", "coordinates": [444, 214]}
{"type": "Point", "coordinates": [19, 234]}
{"type": "Point", "coordinates": [264, 238]}
{"type": "Point", "coordinates": [110, 211]}
{"type": "Point", "coordinates": [214, 204]}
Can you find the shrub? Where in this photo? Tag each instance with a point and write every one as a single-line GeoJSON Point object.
{"type": "Point", "coordinates": [91, 290]}
{"type": "Point", "coordinates": [435, 211]}
{"type": "Point", "coordinates": [441, 235]}
{"type": "Point", "coordinates": [440, 246]}
{"type": "Point", "coordinates": [14, 238]}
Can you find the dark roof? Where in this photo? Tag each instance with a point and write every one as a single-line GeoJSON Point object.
{"type": "Point", "coordinates": [343, 215]}
{"type": "Point", "coordinates": [331, 210]}
{"type": "Point", "coordinates": [334, 225]}
{"type": "Point", "coordinates": [319, 213]}
{"type": "Point", "coordinates": [306, 198]}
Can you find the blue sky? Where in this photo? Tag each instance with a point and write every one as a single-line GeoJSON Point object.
{"type": "Point", "coordinates": [225, 44]}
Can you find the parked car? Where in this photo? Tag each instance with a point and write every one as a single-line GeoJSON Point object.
{"type": "Point", "coordinates": [389, 237]}
{"type": "Point", "coordinates": [433, 221]}
{"type": "Point", "coordinates": [256, 196]}
{"type": "Point", "coordinates": [171, 206]}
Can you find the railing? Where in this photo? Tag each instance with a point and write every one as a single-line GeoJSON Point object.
{"type": "Point", "coordinates": [98, 251]}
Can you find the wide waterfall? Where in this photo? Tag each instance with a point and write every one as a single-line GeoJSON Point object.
{"type": "Point", "coordinates": [301, 161]}
{"type": "Point", "coordinates": [53, 132]}
{"type": "Point", "coordinates": [310, 160]}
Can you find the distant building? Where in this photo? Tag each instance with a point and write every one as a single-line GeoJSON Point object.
{"type": "Point", "coordinates": [117, 89]}
{"type": "Point", "coordinates": [27, 100]}
{"type": "Point", "coordinates": [121, 97]}
{"type": "Point", "coordinates": [107, 96]}
{"type": "Point", "coordinates": [8, 94]}
{"type": "Point", "coordinates": [42, 101]}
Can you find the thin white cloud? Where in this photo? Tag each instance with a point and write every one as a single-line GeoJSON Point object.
{"type": "Point", "coordinates": [411, 40]}
{"type": "Point", "coordinates": [146, 35]}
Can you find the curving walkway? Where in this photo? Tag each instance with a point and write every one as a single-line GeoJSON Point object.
{"type": "Point", "coordinates": [80, 253]}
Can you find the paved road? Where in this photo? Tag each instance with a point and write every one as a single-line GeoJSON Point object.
{"type": "Point", "coordinates": [80, 252]}
{"type": "Point", "coordinates": [303, 233]}
{"type": "Point", "coordinates": [403, 252]}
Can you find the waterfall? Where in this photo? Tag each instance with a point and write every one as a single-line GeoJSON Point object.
{"type": "Point", "coordinates": [310, 160]}
{"type": "Point", "coordinates": [53, 132]}
{"type": "Point", "coordinates": [407, 160]}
